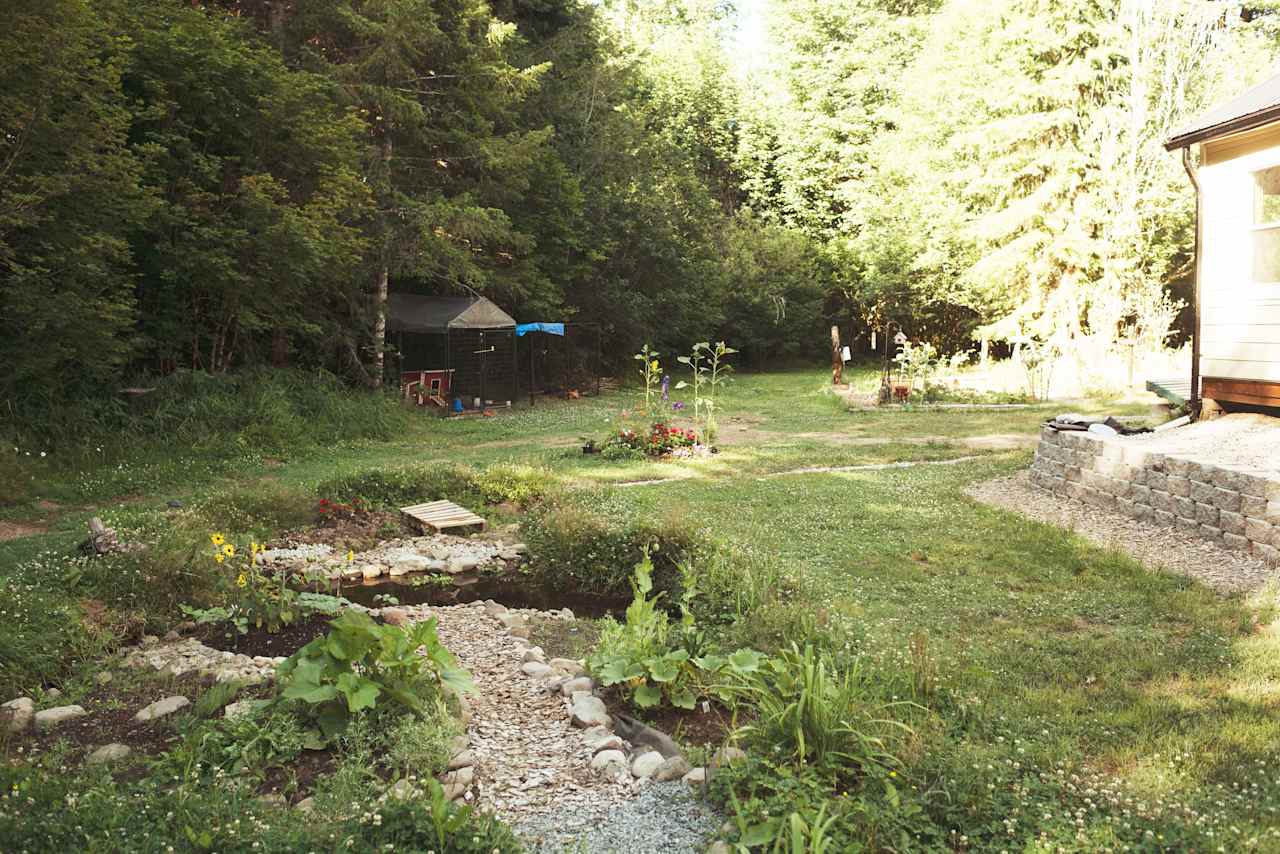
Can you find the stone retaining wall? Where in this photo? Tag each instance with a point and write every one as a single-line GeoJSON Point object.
{"type": "Point", "coordinates": [1236, 507]}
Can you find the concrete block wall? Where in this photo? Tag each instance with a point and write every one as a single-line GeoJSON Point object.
{"type": "Point", "coordinates": [1234, 506]}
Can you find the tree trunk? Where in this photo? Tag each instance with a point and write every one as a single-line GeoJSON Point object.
{"type": "Point", "coordinates": [837, 363]}
{"type": "Point", "coordinates": [384, 276]}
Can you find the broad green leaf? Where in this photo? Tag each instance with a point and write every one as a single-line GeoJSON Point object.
{"type": "Point", "coordinates": [664, 670]}
{"type": "Point", "coordinates": [613, 672]}
{"type": "Point", "coordinates": [458, 679]}
{"type": "Point", "coordinates": [760, 834]}
{"type": "Point", "coordinates": [365, 697]}
{"type": "Point", "coordinates": [648, 696]}
{"type": "Point", "coordinates": [746, 661]}
{"type": "Point", "coordinates": [313, 694]}
{"type": "Point", "coordinates": [682, 697]}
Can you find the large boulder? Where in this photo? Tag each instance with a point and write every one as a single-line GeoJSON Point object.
{"type": "Point", "coordinates": [587, 710]}
{"type": "Point", "coordinates": [646, 764]}
{"type": "Point", "coordinates": [16, 715]}
{"type": "Point", "coordinates": [50, 718]}
{"type": "Point", "coordinates": [672, 768]}
{"type": "Point", "coordinates": [608, 763]}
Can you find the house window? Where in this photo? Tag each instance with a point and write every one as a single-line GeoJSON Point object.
{"type": "Point", "coordinates": [1266, 226]}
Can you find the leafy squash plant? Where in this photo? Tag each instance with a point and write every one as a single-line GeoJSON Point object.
{"type": "Point", "coordinates": [362, 664]}
{"type": "Point", "coordinates": [655, 663]}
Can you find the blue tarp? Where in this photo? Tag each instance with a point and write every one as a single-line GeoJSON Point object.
{"type": "Point", "coordinates": [549, 328]}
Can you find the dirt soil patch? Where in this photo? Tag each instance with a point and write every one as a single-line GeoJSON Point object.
{"type": "Point", "coordinates": [360, 533]}
{"type": "Point", "coordinates": [299, 778]}
{"type": "Point", "coordinates": [111, 708]}
{"type": "Point", "coordinates": [694, 728]}
{"type": "Point", "coordinates": [18, 530]}
{"type": "Point", "coordinates": [287, 641]}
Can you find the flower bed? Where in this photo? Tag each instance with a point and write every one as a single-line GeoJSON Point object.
{"type": "Point", "coordinates": [661, 440]}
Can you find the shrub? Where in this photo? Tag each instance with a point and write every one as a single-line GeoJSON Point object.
{"type": "Point", "coordinates": [656, 661]}
{"type": "Point", "coordinates": [420, 745]}
{"type": "Point", "coordinates": [575, 548]}
{"type": "Point", "coordinates": [361, 664]}
{"type": "Point", "coordinates": [808, 711]}
{"type": "Point", "coordinates": [262, 509]}
{"type": "Point", "coordinates": [515, 483]}
{"type": "Point", "coordinates": [391, 487]}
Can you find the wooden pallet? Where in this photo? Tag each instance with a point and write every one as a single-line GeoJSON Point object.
{"type": "Point", "coordinates": [438, 516]}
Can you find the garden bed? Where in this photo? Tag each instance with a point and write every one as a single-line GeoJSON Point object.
{"type": "Point", "coordinates": [258, 641]}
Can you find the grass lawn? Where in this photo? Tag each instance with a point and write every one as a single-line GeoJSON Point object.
{"type": "Point", "coordinates": [1065, 697]}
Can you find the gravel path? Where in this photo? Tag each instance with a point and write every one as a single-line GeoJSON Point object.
{"type": "Point", "coordinates": [664, 818]}
{"type": "Point", "coordinates": [1224, 570]}
{"type": "Point", "coordinates": [1242, 439]}
{"type": "Point", "coordinates": [531, 764]}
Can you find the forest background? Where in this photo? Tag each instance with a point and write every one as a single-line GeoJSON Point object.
{"type": "Point", "coordinates": [208, 187]}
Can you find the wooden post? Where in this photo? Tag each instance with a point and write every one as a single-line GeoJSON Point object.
{"type": "Point", "coordinates": [837, 363]}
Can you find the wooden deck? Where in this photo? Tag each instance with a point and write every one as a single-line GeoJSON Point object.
{"type": "Point", "coordinates": [440, 516]}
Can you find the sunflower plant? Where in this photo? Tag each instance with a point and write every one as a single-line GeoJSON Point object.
{"type": "Point", "coordinates": [254, 598]}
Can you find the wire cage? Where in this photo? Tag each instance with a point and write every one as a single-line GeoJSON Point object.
{"type": "Point", "coordinates": [454, 352]}
{"type": "Point", "coordinates": [559, 359]}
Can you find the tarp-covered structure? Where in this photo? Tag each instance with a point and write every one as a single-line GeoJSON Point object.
{"type": "Point", "coordinates": [469, 336]}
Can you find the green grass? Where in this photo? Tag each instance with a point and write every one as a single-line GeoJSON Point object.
{"type": "Point", "coordinates": [1068, 677]}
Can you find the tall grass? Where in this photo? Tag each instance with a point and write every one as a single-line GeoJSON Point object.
{"type": "Point", "coordinates": [271, 410]}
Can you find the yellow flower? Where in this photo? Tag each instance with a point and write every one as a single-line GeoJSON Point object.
{"type": "Point", "coordinates": [242, 580]}
{"type": "Point", "coordinates": [217, 539]}
{"type": "Point", "coordinates": [655, 366]}
{"type": "Point", "coordinates": [351, 555]}
{"type": "Point", "coordinates": [218, 557]}
{"type": "Point", "coordinates": [229, 550]}
{"type": "Point", "coordinates": [253, 547]}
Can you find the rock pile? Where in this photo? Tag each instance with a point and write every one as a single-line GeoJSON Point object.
{"type": "Point", "coordinates": [394, 558]}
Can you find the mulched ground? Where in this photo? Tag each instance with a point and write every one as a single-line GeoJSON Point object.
{"type": "Point", "coordinates": [287, 641]}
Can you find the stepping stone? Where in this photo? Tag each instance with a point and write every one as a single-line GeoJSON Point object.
{"type": "Point", "coordinates": [16, 715]}
{"type": "Point", "coordinates": [672, 769]}
{"type": "Point", "coordinates": [535, 669]}
{"type": "Point", "coordinates": [160, 708]}
{"type": "Point", "coordinates": [534, 653]}
{"type": "Point", "coordinates": [646, 764]}
{"type": "Point", "coordinates": [109, 753]}
{"type": "Point", "coordinates": [50, 718]}
{"type": "Point", "coordinates": [696, 777]}
{"type": "Point", "coordinates": [465, 759]}
{"type": "Point", "coordinates": [587, 710]}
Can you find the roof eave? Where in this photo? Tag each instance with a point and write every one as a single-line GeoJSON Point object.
{"type": "Point", "coordinates": [1237, 125]}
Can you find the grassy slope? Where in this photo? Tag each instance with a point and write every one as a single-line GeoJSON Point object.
{"type": "Point", "coordinates": [1051, 651]}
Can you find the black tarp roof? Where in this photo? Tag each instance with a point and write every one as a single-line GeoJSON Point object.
{"type": "Point", "coordinates": [1258, 106]}
{"type": "Point", "coordinates": [413, 313]}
